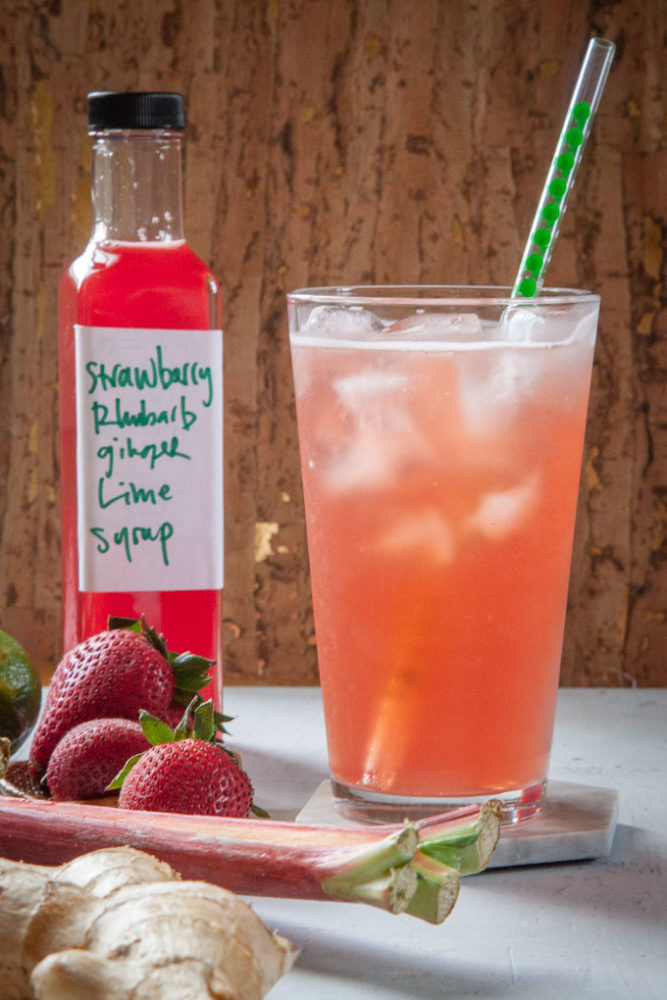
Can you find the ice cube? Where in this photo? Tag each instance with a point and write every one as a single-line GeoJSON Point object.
{"type": "Point", "coordinates": [378, 437]}
{"type": "Point", "coordinates": [376, 453]}
{"type": "Point", "coordinates": [364, 463]}
{"type": "Point", "coordinates": [374, 398]}
{"type": "Point", "coordinates": [338, 323]}
{"type": "Point", "coordinates": [438, 327]}
{"type": "Point", "coordinates": [501, 512]}
{"type": "Point", "coordinates": [422, 534]}
{"type": "Point", "coordinates": [522, 325]}
{"type": "Point", "coordinates": [494, 383]}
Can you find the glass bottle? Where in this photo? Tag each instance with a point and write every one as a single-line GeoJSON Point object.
{"type": "Point", "coordinates": [140, 346]}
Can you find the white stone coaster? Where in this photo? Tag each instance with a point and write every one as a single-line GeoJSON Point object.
{"type": "Point", "coordinates": [577, 822]}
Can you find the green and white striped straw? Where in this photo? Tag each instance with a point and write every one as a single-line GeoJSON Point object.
{"type": "Point", "coordinates": [563, 170]}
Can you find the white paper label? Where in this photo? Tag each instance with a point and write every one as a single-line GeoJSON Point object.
{"type": "Point", "coordinates": [149, 459]}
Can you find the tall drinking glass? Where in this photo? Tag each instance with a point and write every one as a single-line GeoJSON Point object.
{"type": "Point", "coordinates": [441, 433]}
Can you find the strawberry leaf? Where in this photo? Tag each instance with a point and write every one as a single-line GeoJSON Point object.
{"type": "Point", "coordinates": [131, 624]}
{"type": "Point", "coordinates": [155, 638]}
{"type": "Point", "coordinates": [220, 720]}
{"type": "Point", "coordinates": [204, 721]}
{"type": "Point", "coordinates": [184, 728]}
{"type": "Point", "coordinates": [191, 673]}
{"type": "Point", "coordinates": [123, 773]}
{"type": "Point", "coordinates": [155, 730]}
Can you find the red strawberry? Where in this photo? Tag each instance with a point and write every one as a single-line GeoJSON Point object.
{"type": "Point", "coordinates": [187, 770]}
{"type": "Point", "coordinates": [112, 675]}
{"type": "Point", "coordinates": [22, 782]}
{"type": "Point", "coordinates": [90, 755]}
{"type": "Point", "coordinates": [188, 776]}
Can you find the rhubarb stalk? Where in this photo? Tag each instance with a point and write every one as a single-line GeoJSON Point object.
{"type": "Point", "coordinates": [465, 840]}
{"type": "Point", "coordinates": [436, 889]}
{"type": "Point", "coordinates": [411, 868]}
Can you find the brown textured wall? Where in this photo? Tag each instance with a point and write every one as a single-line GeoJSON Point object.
{"type": "Point", "coordinates": [333, 140]}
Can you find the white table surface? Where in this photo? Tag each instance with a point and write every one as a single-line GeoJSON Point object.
{"type": "Point", "coordinates": [566, 931]}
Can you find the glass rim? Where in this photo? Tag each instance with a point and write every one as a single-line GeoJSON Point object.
{"type": "Point", "coordinates": [436, 295]}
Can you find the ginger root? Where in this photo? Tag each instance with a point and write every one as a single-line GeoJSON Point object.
{"type": "Point", "coordinates": [117, 924]}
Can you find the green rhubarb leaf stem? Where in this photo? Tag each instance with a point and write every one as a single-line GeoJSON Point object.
{"type": "Point", "coordinates": [394, 891]}
{"type": "Point", "coordinates": [436, 891]}
{"type": "Point", "coordinates": [466, 846]}
{"type": "Point", "coordinates": [376, 862]}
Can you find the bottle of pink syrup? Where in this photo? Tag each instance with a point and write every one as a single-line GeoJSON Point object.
{"type": "Point", "coordinates": [141, 395]}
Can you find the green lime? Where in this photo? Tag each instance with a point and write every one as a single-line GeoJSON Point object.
{"type": "Point", "coordinates": [20, 691]}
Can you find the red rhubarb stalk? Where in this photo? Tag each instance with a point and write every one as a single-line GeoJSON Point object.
{"type": "Point", "coordinates": [251, 857]}
{"type": "Point", "coordinates": [378, 865]}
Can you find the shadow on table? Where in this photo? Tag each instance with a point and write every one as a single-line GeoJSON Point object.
{"type": "Point", "coordinates": [629, 885]}
{"type": "Point", "coordinates": [282, 783]}
{"type": "Point", "coordinates": [385, 971]}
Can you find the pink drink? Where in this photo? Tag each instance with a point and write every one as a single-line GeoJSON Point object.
{"type": "Point", "coordinates": [440, 467]}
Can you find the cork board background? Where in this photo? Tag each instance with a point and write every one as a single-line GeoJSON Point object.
{"type": "Point", "coordinates": [340, 141]}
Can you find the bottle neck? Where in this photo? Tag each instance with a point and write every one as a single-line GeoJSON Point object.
{"type": "Point", "coordinates": [137, 187]}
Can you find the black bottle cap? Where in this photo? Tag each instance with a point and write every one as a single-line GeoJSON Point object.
{"type": "Point", "coordinates": [109, 109]}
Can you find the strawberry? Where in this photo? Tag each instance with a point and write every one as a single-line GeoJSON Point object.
{"type": "Point", "coordinates": [190, 776]}
{"type": "Point", "coordinates": [22, 782]}
{"type": "Point", "coordinates": [113, 674]}
{"type": "Point", "coordinates": [187, 770]}
{"type": "Point", "coordinates": [89, 755]}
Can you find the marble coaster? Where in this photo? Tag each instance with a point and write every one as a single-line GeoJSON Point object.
{"type": "Point", "coordinates": [577, 822]}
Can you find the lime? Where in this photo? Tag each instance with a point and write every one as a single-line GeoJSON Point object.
{"type": "Point", "coordinates": [20, 691]}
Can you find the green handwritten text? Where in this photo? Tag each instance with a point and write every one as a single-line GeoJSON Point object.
{"type": "Point", "coordinates": [130, 538]}
{"type": "Point", "coordinates": [156, 375]}
{"type": "Point", "coordinates": [116, 416]}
